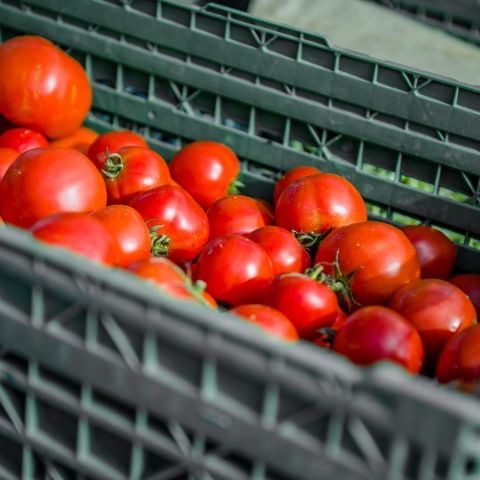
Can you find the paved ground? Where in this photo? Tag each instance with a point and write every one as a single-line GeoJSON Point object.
{"type": "Point", "coordinates": [371, 29]}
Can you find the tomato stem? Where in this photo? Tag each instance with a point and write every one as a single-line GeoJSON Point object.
{"type": "Point", "coordinates": [113, 166]}
{"type": "Point", "coordinates": [328, 334]}
{"type": "Point", "coordinates": [234, 187]}
{"type": "Point", "coordinates": [310, 240]}
{"type": "Point", "coordinates": [160, 244]}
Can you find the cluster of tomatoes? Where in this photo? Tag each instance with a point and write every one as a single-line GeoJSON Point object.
{"type": "Point", "coordinates": [309, 265]}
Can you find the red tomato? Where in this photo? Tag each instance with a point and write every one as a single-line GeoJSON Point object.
{"type": "Point", "coordinates": [469, 283]}
{"type": "Point", "coordinates": [44, 89]}
{"type": "Point", "coordinates": [285, 251]}
{"type": "Point", "coordinates": [129, 231]}
{"type": "Point", "coordinates": [235, 214]}
{"type": "Point", "coordinates": [374, 258]}
{"type": "Point", "coordinates": [206, 170]}
{"type": "Point", "coordinates": [308, 304]}
{"type": "Point", "coordinates": [460, 358]}
{"type": "Point", "coordinates": [326, 337]}
{"type": "Point", "coordinates": [42, 182]}
{"type": "Point", "coordinates": [22, 140]}
{"type": "Point", "coordinates": [178, 224]}
{"type": "Point", "coordinates": [133, 170]}
{"type": "Point", "coordinates": [272, 321]}
{"type": "Point", "coordinates": [318, 203]}
{"type": "Point", "coordinates": [113, 142]}
{"type": "Point", "coordinates": [437, 309]}
{"type": "Point", "coordinates": [267, 211]}
{"type": "Point", "coordinates": [80, 233]}
{"type": "Point", "coordinates": [291, 176]}
{"type": "Point", "coordinates": [435, 251]}
{"type": "Point", "coordinates": [79, 140]}
{"type": "Point", "coordinates": [377, 333]}
{"type": "Point", "coordinates": [235, 269]}
{"type": "Point", "coordinates": [4, 124]}
{"type": "Point", "coordinates": [7, 157]}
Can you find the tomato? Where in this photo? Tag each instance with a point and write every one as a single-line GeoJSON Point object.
{"type": "Point", "coordinates": [437, 309]}
{"type": "Point", "coordinates": [285, 251]}
{"type": "Point", "coordinates": [326, 336]}
{"type": "Point", "coordinates": [270, 320]}
{"type": "Point", "coordinates": [469, 283]}
{"type": "Point", "coordinates": [4, 124]}
{"type": "Point", "coordinates": [267, 211]}
{"type": "Point", "coordinates": [460, 358]}
{"type": "Point", "coordinates": [291, 176]}
{"type": "Point", "coordinates": [113, 142]}
{"type": "Point", "coordinates": [206, 170]}
{"type": "Point", "coordinates": [133, 170]}
{"type": "Point", "coordinates": [42, 182]}
{"type": "Point", "coordinates": [22, 139]}
{"type": "Point", "coordinates": [129, 231]}
{"type": "Point", "coordinates": [435, 251]}
{"type": "Point", "coordinates": [376, 333]}
{"type": "Point", "coordinates": [235, 269]}
{"type": "Point", "coordinates": [235, 214]}
{"type": "Point", "coordinates": [7, 157]}
{"type": "Point", "coordinates": [79, 140]}
{"type": "Point", "coordinates": [80, 233]}
{"type": "Point", "coordinates": [318, 203]}
{"type": "Point", "coordinates": [374, 260]}
{"type": "Point", "coordinates": [179, 226]}
{"type": "Point", "coordinates": [308, 304]}
{"type": "Point", "coordinates": [41, 87]}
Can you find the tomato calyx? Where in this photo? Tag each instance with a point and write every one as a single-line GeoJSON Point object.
{"type": "Point", "coordinates": [327, 335]}
{"type": "Point", "coordinates": [113, 166]}
{"type": "Point", "coordinates": [310, 240]}
{"type": "Point", "coordinates": [160, 244]}
{"type": "Point", "coordinates": [235, 187]}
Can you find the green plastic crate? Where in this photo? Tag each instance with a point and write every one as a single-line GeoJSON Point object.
{"type": "Point", "coordinates": [460, 18]}
{"type": "Point", "coordinates": [103, 377]}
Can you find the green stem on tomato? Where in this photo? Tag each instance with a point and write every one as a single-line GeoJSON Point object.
{"type": "Point", "coordinates": [113, 166]}
{"type": "Point", "coordinates": [234, 187]}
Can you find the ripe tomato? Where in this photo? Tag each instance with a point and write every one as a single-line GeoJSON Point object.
{"type": "Point", "coordinates": [133, 170]}
{"type": "Point", "coordinates": [318, 203]}
{"type": "Point", "coordinates": [308, 304]}
{"type": "Point", "coordinates": [291, 176]}
{"type": "Point", "coordinates": [45, 181]}
{"type": "Point", "coordinates": [460, 358]}
{"type": "Point", "coordinates": [7, 157]}
{"type": "Point", "coordinates": [437, 309]}
{"type": "Point", "coordinates": [374, 259]}
{"type": "Point", "coordinates": [435, 251]}
{"type": "Point", "coordinates": [327, 335]}
{"type": "Point", "coordinates": [206, 170]}
{"type": "Point", "coordinates": [267, 211]}
{"type": "Point", "coordinates": [235, 269]}
{"type": "Point", "coordinates": [44, 89]}
{"type": "Point", "coordinates": [113, 142]}
{"type": "Point", "coordinates": [272, 321]}
{"type": "Point", "coordinates": [285, 251]}
{"type": "Point", "coordinates": [179, 226]}
{"type": "Point", "coordinates": [80, 233]}
{"type": "Point", "coordinates": [22, 139]}
{"type": "Point", "coordinates": [235, 214]}
{"type": "Point", "coordinates": [469, 283]}
{"type": "Point", "coordinates": [129, 231]}
{"type": "Point", "coordinates": [4, 124]}
{"type": "Point", "coordinates": [376, 333]}
{"type": "Point", "coordinates": [79, 140]}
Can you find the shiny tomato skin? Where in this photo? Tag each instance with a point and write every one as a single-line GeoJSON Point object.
{"type": "Point", "coordinates": [318, 203]}
{"type": "Point", "coordinates": [460, 357]}
{"type": "Point", "coordinates": [80, 233]}
{"type": "Point", "coordinates": [133, 170]}
{"type": "Point", "coordinates": [42, 182]}
{"type": "Point", "coordinates": [308, 304]}
{"type": "Point", "coordinates": [437, 309]}
{"type": "Point", "coordinates": [129, 231]}
{"type": "Point", "coordinates": [22, 139]}
{"type": "Point", "coordinates": [235, 270]}
{"type": "Point", "coordinates": [79, 140]}
{"type": "Point", "coordinates": [267, 211]}
{"type": "Point", "coordinates": [285, 251]}
{"type": "Point", "coordinates": [379, 256]}
{"type": "Point", "coordinates": [45, 89]}
{"type": "Point", "coordinates": [206, 170]}
{"type": "Point", "coordinates": [113, 142]}
{"type": "Point", "coordinates": [236, 214]}
{"type": "Point", "coordinates": [270, 320]}
{"type": "Point", "coordinates": [291, 176]}
{"type": "Point", "coordinates": [469, 283]}
{"type": "Point", "coordinates": [7, 157]}
{"type": "Point", "coordinates": [435, 251]}
{"type": "Point", "coordinates": [175, 218]}
{"type": "Point", "coordinates": [376, 333]}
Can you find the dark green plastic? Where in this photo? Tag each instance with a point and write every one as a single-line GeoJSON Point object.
{"type": "Point", "coordinates": [106, 378]}
{"type": "Point", "coordinates": [460, 18]}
